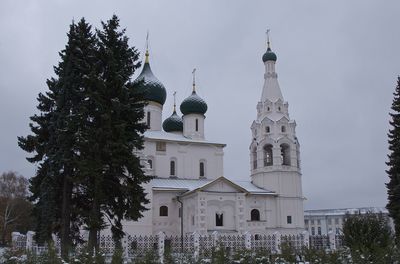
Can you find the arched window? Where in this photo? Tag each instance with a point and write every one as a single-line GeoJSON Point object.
{"type": "Point", "coordinates": [202, 169]}
{"type": "Point", "coordinates": [163, 210]}
{"type": "Point", "coordinates": [268, 155]}
{"type": "Point", "coordinates": [172, 169]}
{"type": "Point", "coordinates": [254, 153]}
{"type": "Point", "coordinates": [285, 154]}
{"type": "Point", "coordinates": [148, 119]}
{"type": "Point", "coordinates": [219, 219]}
{"type": "Point", "coordinates": [255, 215]}
{"type": "Point", "coordinates": [267, 129]}
{"type": "Point", "coordinates": [150, 162]}
{"type": "Point", "coordinates": [283, 129]}
{"type": "Point", "coordinates": [197, 124]}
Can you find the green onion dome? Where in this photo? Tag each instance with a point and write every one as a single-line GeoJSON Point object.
{"type": "Point", "coordinates": [155, 90]}
{"type": "Point", "coordinates": [173, 123]}
{"type": "Point", "coordinates": [193, 104]}
{"type": "Point", "coordinates": [269, 55]}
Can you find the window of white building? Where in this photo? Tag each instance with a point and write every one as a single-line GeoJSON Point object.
{"type": "Point", "coordinates": [319, 230]}
{"type": "Point", "coordinates": [255, 215]}
{"type": "Point", "coordinates": [268, 155]}
{"type": "Point", "coordinates": [148, 119]}
{"type": "Point", "coordinates": [161, 146]}
{"type": "Point", "coordinates": [285, 154]}
{"type": "Point", "coordinates": [163, 210]}
{"type": "Point", "coordinates": [254, 153]}
{"type": "Point", "coordinates": [172, 168]}
{"type": "Point", "coordinates": [289, 219]}
{"type": "Point", "coordinates": [202, 169]}
{"type": "Point", "coordinates": [219, 219]}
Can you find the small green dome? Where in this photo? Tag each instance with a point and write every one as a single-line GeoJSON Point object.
{"type": "Point", "coordinates": [173, 123]}
{"type": "Point", "coordinates": [269, 55]}
{"type": "Point", "coordinates": [155, 90]}
{"type": "Point", "coordinates": [193, 104]}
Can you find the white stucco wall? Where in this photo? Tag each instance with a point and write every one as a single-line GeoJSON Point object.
{"type": "Point", "coordinates": [188, 157]}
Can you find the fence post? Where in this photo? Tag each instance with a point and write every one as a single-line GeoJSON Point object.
{"type": "Point", "coordinates": [29, 240]}
{"type": "Point", "coordinates": [247, 241]}
{"type": "Point", "coordinates": [125, 246]}
{"type": "Point", "coordinates": [332, 240]}
{"type": "Point", "coordinates": [14, 238]}
{"type": "Point", "coordinates": [306, 239]}
{"type": "Point", "coordinates": [161, 241]}
{"type": "Point", "coordinates": [215, 239]}
{"type": "Point", "coordinates": [277, 242]}
{"type": "Point", "coordinates": [196, 245]}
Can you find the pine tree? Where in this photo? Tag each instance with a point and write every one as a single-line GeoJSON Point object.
{"type": "Point", "coordinates": [112, 170]}
{"type": "Point", "coordinates": [394, 162]}
{"type": "Point", "coordinates": [56, 137]}
{"type": "Point", "coordinates": [85, 139]}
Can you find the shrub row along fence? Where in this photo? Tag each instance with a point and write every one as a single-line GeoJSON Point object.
{"type": "Point", "coordinates": [196, 245]}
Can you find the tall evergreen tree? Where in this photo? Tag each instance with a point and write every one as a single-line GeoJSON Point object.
{"type": "Point", "coordinates": [56, 137]}
{"type": "Point", "coordinates": [86, 136]}
{"type": "Point", "coordinates": [394, 162]}
{"type": "Point", "coordinates": [112, 169]}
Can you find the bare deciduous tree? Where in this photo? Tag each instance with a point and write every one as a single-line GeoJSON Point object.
{"type": "Point", "coordinates": [14, 208]}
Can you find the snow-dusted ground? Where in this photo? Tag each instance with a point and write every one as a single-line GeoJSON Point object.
{"type": "Point", "coordinates": [2, 249]}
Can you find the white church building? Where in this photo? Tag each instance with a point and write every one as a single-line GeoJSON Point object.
{"type": "Point", "coordinates": [189, 191]}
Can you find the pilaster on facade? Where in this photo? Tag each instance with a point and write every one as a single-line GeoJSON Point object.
{"type": "Point", "coordinates": [240, 213]}
{"type": "Point", "coordinates": [202, 214]}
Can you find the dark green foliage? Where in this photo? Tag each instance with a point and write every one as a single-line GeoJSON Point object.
{"type": "Point", "coordinates": [168, 258]}
{"type": "Point", "coordinates": [21, 257]}
{"type": "Point", "coordinates": [151, 257]}
{"type": "Point", "coordinates": [110, 169]}
{"type": "Point", "coordinates": [368, 236]}
{"type": "Point", "coordinates": [288, 253]}
{"type": "Point", "coordinates": [220, 255]}
{"type": "Point", "coordinates": [84, 139]}
{"type": "Point", "coordinates": [86, 256]}
{"type": "Point", "coordinates": [393, 171]}
{"type": "Point", "coordinates": [118, 256]}
{"type": "Point", "coordinates": [56, 138]}
{"type": "Point", "coordinates": [341, 256]}
{"type": "Point", "coordinates": [244, 257]}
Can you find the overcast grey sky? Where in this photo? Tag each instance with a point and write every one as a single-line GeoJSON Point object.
{"type": "Point", "coordinates": [337, 66]}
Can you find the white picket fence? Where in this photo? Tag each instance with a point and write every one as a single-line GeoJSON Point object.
{"type": "Point", "coordinates": [136, 246]}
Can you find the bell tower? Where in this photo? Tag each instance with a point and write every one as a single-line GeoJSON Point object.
{"type": "Point", "coordinates": [275, 150]}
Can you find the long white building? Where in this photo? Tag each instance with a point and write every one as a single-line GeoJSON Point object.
{"type": "Point", "coordinates": [190, 191]}
{"type": "Point", "coordinates": [323, 221]}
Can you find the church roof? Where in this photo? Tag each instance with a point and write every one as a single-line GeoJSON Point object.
{"type": "Point", "coordinates": [147, 82]}
{"type": "Point", "coordinates": [173, 123]}
{"type": "Point", "coordinates": [191, 185]}
{"type": "Point", "coordinates": [269, 55]}
{"type": "Point", "coordinates": [193, 104]}
{"type": "Point", "coordinates": [161, 135]}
